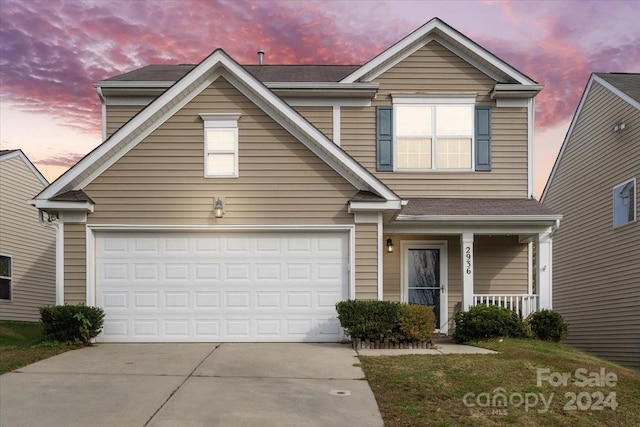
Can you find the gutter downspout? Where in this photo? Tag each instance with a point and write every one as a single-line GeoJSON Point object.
{"type": "Point", "coordinates": [103, 101]}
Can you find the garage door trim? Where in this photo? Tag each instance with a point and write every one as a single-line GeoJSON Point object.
{"type": "Point", "coordinates": [91, 230]}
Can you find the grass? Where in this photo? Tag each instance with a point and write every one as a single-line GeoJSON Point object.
{"type": "Point", "coordinates": [429, 390]}
{"type": "Point", "coordinates": [22, 343]}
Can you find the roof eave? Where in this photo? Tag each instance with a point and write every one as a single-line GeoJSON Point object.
{"type": "Point", "coordinates": [481, 218]}
{"type": "Point", "coordinates": [508, 90]}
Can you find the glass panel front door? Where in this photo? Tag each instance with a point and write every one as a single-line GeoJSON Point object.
{"type": "Point", "coordinates": [423, 277]}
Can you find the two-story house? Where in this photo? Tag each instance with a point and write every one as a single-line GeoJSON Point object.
{"type": "Point", "coordinates": [240, 203]}
{"type": "Point", "coordinates": [594, 184]}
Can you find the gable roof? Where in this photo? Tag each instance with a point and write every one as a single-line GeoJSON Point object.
{"type": "Point", "coordinates": [217, 64]}
{"type": "Point", "coordinates": [436, 29]}
{"type": "Point", "coordinates": [624, 85]}
{"type": "Point", "coordinates": [10, 154]}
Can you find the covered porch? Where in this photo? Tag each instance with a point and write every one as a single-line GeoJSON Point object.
{"type": "Point", "coordinates": [453, 254]}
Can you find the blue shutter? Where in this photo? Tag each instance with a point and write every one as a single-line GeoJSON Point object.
{"type": "Point", "coordinates": [384, 138]}
{"type": "Point", "coordinates": [483, 138]}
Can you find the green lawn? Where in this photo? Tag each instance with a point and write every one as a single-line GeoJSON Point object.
{"type": "Point", "coordinates": [21, 343]}
{"type": "Point", "coordinates": [459, 390]}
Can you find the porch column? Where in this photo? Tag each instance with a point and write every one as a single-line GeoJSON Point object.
{"type": "Point", "coordinates": [544, 276]}
{"type": "Point", "coordinates": [466, 240]}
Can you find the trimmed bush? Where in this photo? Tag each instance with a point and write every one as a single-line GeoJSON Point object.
{"type": "Point", "coordinates": [487, 321]}
{"type": "Point", "coordinates": [71, 323]}
{"type": "Point", "coordinates": [369, 320]}
{"type": "Point", "coordinates": [417, 322]}
{"type": "Point", "coordinates": [548, 325]}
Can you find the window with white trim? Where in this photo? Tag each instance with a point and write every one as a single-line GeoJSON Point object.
{"type": "Point", "coordinates": [624, 203]}
{"type": "Point", "coordinates": [434, 134]}
{"type": "Point", "coordinates": [5, 277]}
{"type": "Point", "coordinates": [220, 145]}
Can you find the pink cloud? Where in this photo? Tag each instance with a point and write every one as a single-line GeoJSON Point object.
{"type": "Point", "coordinates": [65, 159]}
{"type": "Point", "coordinates": [52, 51]}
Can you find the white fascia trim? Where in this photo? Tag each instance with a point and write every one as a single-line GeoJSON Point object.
{"type": "Point", "coordinates": [336, 124]}
{"type": "Point", "coordinates": [511, 90]}
{"type": "Point", "coordinates": [480, 218]}
{"type": "Point", "coordinates": [375, 206]}
{"type": "Point", "coordinates": [407, 42]}
{"type": "Point", "coordinates": [63, 206]}
{"type": "Point", "coordinates": [567, 137]}
{"type": "Point", "coordinates": [441, 229]}
{"type": "Point", "coordinates": [19, 153]}
{"type": "Point", "coordinates": [103, 113]}
{"type": "Point", "coordinates": [315, 140]}
{"type": "Point", "coordinates": [353, 86]}
{"type": "Point", "coordinates": [151, 227]}
{"type": "Point", "coordinates": [530, 146]}
{"type": "Point", "coordinates": [434, 98]}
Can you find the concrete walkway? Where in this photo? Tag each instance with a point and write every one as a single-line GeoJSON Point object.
{"type": "Point", "coordinates": [191, 385]}
{"type": "Point", "coordinates": [440, 349]}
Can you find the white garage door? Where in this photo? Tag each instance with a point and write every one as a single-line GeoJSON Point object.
{"type": "Point", "coordinates": [168, 287]}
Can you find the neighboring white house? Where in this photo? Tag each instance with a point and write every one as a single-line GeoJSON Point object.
{"type": "Point", "coordinates": [27, 247]}
{"type": "Point", "coordinates": [594, 185]}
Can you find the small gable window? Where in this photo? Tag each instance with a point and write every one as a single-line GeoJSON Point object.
{"type": "Point", "coordinates": [220, 145]}
{"type": "Point", "coordinates": [624, 203]}
{"type": "Point", "coordinates": [5, 277]}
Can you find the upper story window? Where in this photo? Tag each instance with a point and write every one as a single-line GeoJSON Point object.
{"type": "Point", "coordinates": [443, 133]}
{"type": "Point", "coordinates": [5, 277]}
{"type": "Point", "coordinates": [434, 136]}
{"type": "Point", "coordinates": [624, 203]}
{"type": "Point", "coordinates": [220, 145]}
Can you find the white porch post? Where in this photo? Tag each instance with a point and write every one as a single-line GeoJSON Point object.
{"type": "Point", "coordinates": [544, 252]}
{"type": "Point", "coordinates": [466, 240]}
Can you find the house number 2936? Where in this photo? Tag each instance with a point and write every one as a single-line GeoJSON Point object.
{"type": "Point", "coordinates": [467, 259]}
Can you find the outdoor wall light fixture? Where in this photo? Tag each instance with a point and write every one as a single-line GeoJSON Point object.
{"type": "Point", "coordinates": [389, 246]}
{"type": "Point", "coordinates": [218, 208]}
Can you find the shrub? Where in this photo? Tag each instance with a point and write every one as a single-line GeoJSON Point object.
{"type": "Point", "coordinates": [417, 322]}
{"type": "Point", "coordinates": [548, 325]}
{"type": "Point", "coordinates": [71, 323]}
{"type": "Point", "coordinates": [369, 320]}
{"type": "Point", "coordinates": [487, 321]}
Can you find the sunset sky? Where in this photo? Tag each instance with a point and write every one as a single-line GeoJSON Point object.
{"type": "Point", "coordinates": [52, 51]}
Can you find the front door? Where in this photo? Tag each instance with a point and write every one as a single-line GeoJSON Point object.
{"type": "Point", "coordinates": [425, 279]}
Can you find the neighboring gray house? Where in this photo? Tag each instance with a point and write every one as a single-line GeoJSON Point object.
{"type": "Point", "coordinates": [27, 248]}
{"type": "Point", "coordinates": [594, 185]}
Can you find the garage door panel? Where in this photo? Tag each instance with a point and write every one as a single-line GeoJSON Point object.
{"type": "Point", "coordinates": [221, 287]}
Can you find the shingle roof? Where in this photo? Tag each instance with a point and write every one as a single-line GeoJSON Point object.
{"type": "Point", "coordinates": [628, 83]}
{"type": "Point", "coordinates": [72, 196]}
{"type": "Point", "coordinates": [367, 196]}
{"type": "Point", "coordinates": [264, 73]}
{"type": "Point", "coordinates": [3, 152]}
{"type": "Point", "coordinates": [474, 207]}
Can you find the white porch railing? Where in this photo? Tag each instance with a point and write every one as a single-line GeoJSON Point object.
{"type": "Point", "coordinates": [523, 304]}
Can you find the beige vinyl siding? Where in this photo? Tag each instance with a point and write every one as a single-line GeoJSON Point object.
{"type": "Point", "coordinates": [160, 181]}
{"type": "Point", "coordinates": [320, 117]}
{"type": "Point", "coordinates": [32, 246]}
{"type": "Point", "coordinates": [118, 115]}
{"type": "Point", "coordinates": [75, 264]}
{"type": "Point", "coordinates": [500, 264]}
{"type": "Point", "coordinates": [434, 69]}
{"type": "Point", "coordinates": [596, 268]}
{"type": "Point", "coordinates": [367, 261]}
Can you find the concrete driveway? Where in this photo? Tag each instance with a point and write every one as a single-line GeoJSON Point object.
{"type": "Point", "coordinates": [191, 385]}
